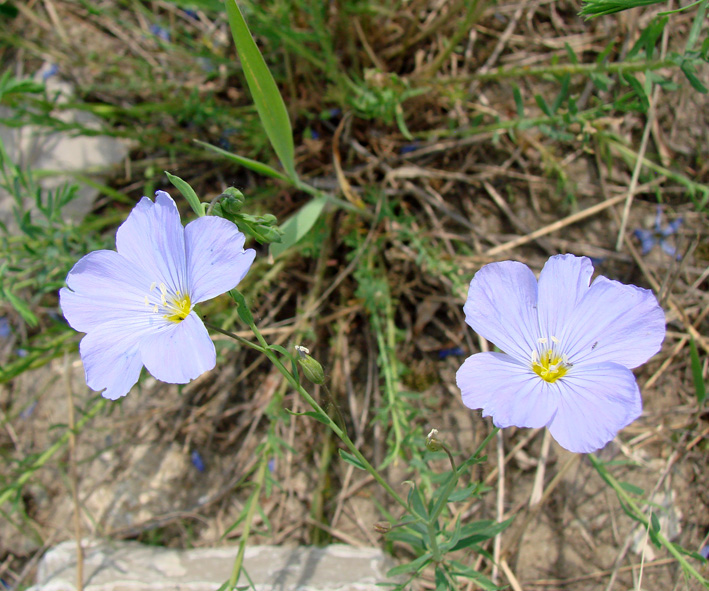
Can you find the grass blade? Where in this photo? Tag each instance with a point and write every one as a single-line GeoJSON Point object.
{"type": "Point", "coordinates": [187, 192]}
{"type": "Point", "coordinates": [269, 103]}
{"type": "Point", "coordinates": [699, 386]}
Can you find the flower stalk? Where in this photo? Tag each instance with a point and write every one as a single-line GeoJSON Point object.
{"type": "Point", "coordinates": [264, 347]}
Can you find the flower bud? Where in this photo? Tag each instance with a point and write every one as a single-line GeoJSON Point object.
{"type": "Point", "coordinates": [270, 234]}
{"type": "Point", "coordinates": [312, 370]}
{"type": "Point", "coordinates": [432, 443]}
{"type": "Point", "coordinates": [382, 527]}
{"type": "Point", "coordinates": [232, 200]}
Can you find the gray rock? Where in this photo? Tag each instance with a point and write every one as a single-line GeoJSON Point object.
{"type": "Point", "coordinates": [130, 566]}
{"type": "Point", "coordinates": [34, 148]}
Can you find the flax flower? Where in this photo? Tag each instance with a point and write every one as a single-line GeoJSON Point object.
{"type": "Point", "coordinates": [135, 305]}
{"type": "Point", "coordinates": [569, 347]}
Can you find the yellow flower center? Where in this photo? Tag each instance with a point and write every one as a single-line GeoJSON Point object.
{"type": "Point", "coordinates": [548, 361]}
{"type": "Point", "coordinates": [174, 307]}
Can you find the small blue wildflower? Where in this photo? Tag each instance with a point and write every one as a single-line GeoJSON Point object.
{"type": "Point", "coordinates": [649, 238]}
{"type": "Point", "coordinates": [136, 305]}
{"type": "Point", "coordinates": [197, 461]}
{"type": "Point", "coordinates": [271, 465]}
{"type": "Point", "coordinates": [409, 148]}
{"type": "Point", "coordinates": [704, 552]}
{"type": "Point", "coordinates": [569, 348]}
{"type": "Point", "coordinates": [453, 351]}
{"type": "Point", "coordinates": [160, 32]}
{"type": "Point", "coordinates": [49, 72]}
{"type": "Point", "coordinates": [5, 330]}
{"type": "Point", "coordinates": [27, 412]}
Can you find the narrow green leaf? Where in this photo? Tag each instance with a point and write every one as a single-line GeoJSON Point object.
{"type": "Point", "coordinates": [655, 522]}
{"type": "Point", "coordinates": [187, 192]}
{"type": "Point", "coordinates": [464, 493]}
{"type": "Point", "coordinates": [22, 308]}
{"type": "Point", "coordinates": [699, 386]}
{"type": "Point", "coordinates": [632, 489]}
{"type": "Point", "coordinates": [280, 349]}
{"type": "Point", "coordinates": [471, 573]}
{"type": "Point", "coordinates": [241, 307]}
{"type": "Point", "coordinates": [254, 165]}
{"type": "Point", "coordinates": [570, 53]}
{"type": "Point", "coordinates": [563, 93]}
{"type": "Point", "coordinates": [543, 105]}
{"type": "Point", "coordinates": [688, 70]}
{"type": "Point", "coordinates": [318, 416]}
{"type": "Point", "coordinates": [639, 90]}
{"type": "Point", "coordinates": [417, 504]}
{"type": "Point", "coordinates": [593, 8]}
{"type": "Point", "coordinates": [269, 103]}
{"type": "Point", "coordinates": [519, 103]}
{"type": "Point", "coordinates": [298, 225]}
{"type": "Point", "coordinates": [411, 567]}
{"type": "Point", "coordinates": [350, 459]}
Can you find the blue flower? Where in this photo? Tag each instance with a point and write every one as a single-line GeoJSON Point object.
{"type": "Point", "coordinates": [197, 461]}
{"type": "Point", "coordinates": [136, 305]}
{"type": "Point", "coordinates": [160, 32]}
{"type": "Point", "coordinates": [569, 347]}
{"type": "Point", "coordinates": [649, 238]}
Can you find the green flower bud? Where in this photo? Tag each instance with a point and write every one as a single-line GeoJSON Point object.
{"type": "Point", "coordinates": [382, 527]}
{"type": "Point", "coordinates": [232, 200]}
{"type": "Point", "coordinates": [312, 370]}
{"type": "Point", "coordinates": [268, 234]}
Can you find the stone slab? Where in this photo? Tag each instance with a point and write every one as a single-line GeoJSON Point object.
{"type": "Point", "coordinates": [34, 148]}
{"type": "Point", "coordinates": [130, 566]}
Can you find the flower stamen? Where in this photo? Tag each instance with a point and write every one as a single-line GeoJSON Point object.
{"type": "Point", "coordinates": [174, 307]}
{"type": "Point", "coordinates": [549, 362]}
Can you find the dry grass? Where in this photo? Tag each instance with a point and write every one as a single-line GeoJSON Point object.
{"type": "Point", "coordinates": [462, 196]}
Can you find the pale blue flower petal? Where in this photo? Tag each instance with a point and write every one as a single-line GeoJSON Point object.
{"type": "Point", "coordinates": [102, 286]}
{"type": "Point", "coordinates": [111, 358]}
{"type": "Point", "coordinates": [178, 352]}
{"type": "Point", "coordinates": [596, 402]}
{"type": "Point", "coordinates": [614, 323]}
{"type": "Point", "coordinates": [563, 282]}
{"type": "Point", "coordinates": [502, 307]}
{"type": "Point", "coordinates": [216, 260]}
{"type": "Point", "coordinates": [153, 239]}
{"type": "Point", "coordinates": [507, 390]}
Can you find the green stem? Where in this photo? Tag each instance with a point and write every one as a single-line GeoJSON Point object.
{"type": "Point", "coordinates": [435, 550]}
{"type": "Point", "coordinates": [248, 520]}
{"type": "Point", "coordinates": [559, 70]}
{"type": "Point", "coordinates": [637, 514]}
{"type": "Point", "coordinates": [481, 447]}
{"type": "Point", "coordinates": [294, 383]}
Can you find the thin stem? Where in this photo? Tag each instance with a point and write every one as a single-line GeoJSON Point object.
{"type": "Point", "coordinates": [559, 70]}
{"type": "Point", "coordinates": [248, 519]}
{"type": "Point", "coordinates": [435, 550]}
{"type": "Point", "coordinates": [236, 337]}
{"type": "Point", "coordinates": [637, 514]}
{"type": "Point", "coordinates": [294, 383]}
{"type": "Point", "coordinates": [482, 446]}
